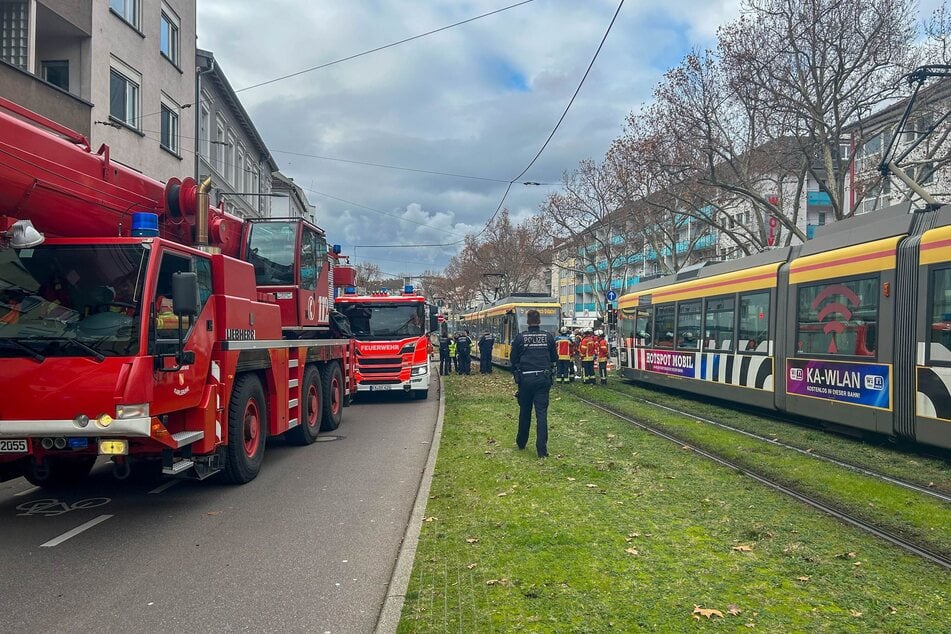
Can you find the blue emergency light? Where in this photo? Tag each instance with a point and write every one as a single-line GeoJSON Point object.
{"type": "Point", "coordinates": [144, 225]}
{"type": "Point", "coordinates": [408, 289]}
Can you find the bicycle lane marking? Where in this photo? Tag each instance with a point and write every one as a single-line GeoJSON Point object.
{"type": "Point", "coordinates": [56, 541]}
{"type": "Point", "coordinates": [51, 507]}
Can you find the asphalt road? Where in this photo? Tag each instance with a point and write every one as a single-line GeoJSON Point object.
{"type": "Point", "coordinates": [308, 546]}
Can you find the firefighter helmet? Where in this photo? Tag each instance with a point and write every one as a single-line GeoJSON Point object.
{"type": "Point", "coordinates": [563, 330]}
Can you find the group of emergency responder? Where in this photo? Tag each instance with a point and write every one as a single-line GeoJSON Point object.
{"type": "Point", "coordinates": [455, 353]}
{"type": "Point", "coordinates": [578, 354]}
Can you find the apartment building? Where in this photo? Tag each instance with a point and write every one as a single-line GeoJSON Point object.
{"type": "Point", "coordinates": [120, 72]}
{"type": "Point", "coordinates": [228, 146]}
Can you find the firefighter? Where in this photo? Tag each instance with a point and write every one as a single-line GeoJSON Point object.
{"type": "Point", "coordinates": [603, 354]}
{"type": "Point", "coordinates": [533, 354]}
{"type": "Point", "coordinates": [564, 344]}
{"type": "Point", "coordinates": [576, 354]}
{"type": "Point", "coordinates": [486, 343]}
{"type": "Point", "coordinates": [445, 360]}
{"type": "Point", "coordinates": [589, 351]}
{"type": "Point", "coordinates": [464, 352]}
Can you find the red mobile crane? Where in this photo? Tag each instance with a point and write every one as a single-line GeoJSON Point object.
{"type": "Point", "coordinates": [391, 344]}
{"type": "Point", "coordinates": [138, 322]}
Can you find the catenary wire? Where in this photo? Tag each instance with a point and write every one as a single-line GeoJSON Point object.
{"type": "Point", "coordinates": [508, 188]}
{"type": "Point", "coordinates": [380, 48]}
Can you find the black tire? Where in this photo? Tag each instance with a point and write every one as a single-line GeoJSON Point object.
{"type": "Point", "coordinates": [247, 430]}
{"type": "Point", "coordinates": [311, 409]}
{"type": "Point", "coordinates": [332, 378]}
{"type": "Point", "coordinates": [421, 395]}
{"type": "Point", "coordinates": [62, 471]}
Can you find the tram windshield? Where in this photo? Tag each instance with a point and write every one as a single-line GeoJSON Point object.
{"type": "Point", "coordinates": [550, 318]}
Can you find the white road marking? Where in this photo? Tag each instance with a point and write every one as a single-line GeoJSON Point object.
{"type": "Point", "coordinates": [164, 487]}
{"type": "Point", "coordinates": [27, 492]}
{"type": "Point", "coordinates": [56, 541]}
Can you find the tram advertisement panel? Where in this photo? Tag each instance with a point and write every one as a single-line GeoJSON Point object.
{"type": "Point", "coordinates": [857, 383]}
{"type": "Point", "coordinates": [670, 362]}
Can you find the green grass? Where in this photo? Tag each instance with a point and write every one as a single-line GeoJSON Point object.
{"type": "Point", "coordinates": [550, 554]}
{"type": "Point", "coordinates": [916, 516]}
{"type": "Point", "coordinates": [899, 462]}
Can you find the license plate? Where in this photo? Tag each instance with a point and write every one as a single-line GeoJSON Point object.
{"type": "Point", "coordinates": [14, 446]}
{"type": "Point", "coordinates": [377, 388]}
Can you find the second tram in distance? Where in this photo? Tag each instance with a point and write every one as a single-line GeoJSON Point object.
{"type": "Point", "coordinates": [506, 317]}
{"type": "Point", "coordinates": [853, 327]}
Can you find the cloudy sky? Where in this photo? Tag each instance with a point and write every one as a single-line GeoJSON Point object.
{"type": "Point", "coordinates": [477, 100]}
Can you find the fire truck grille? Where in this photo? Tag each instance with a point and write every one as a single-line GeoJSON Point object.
{"type": "Point", "coordinates": [379, 360]}
{"type": "Point", "coordinates": [393, 370]}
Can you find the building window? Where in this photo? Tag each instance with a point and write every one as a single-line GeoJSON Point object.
{"type": "Point", "coordinates": [230, 162]}
{"type": "Point", "coordinates": [128, 10]}
{"type": "Point", "coordinates": [220, 145]}
{"type": "Point", "coordinates": [14, 33]}
{"type": "Point", "coordinates": [123, 98]}
{"type": "Point", "coordinates": [204, 131]}
{"type": "Point", "coordinates": [56, 72]}
{"type": "Point", "coordinates": [168, 35]}
{"type": "Point", "coordinates": [170, 125]}
{"type": "Point", "coordinates": [238, 179]}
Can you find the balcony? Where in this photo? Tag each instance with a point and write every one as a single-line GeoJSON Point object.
{"type": "Point", "coordinates": [54, 78]}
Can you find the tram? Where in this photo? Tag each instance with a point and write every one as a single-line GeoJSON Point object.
{"type": "Point", "coordinates": [852, 328]}
{"type": "Point", "coordinates": [506, 317]}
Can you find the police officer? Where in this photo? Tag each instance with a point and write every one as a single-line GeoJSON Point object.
{"type": "Point", "coordinates": [533, 354]}
{"type": "Point", "coordinates": [464, 351]}
{"type": "Point", "coordinates": [445, 360]}
{"type": "Point", "coordinates": [486, 343]}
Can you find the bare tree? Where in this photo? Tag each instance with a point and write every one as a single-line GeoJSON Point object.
{"type": "Point", "coordinates": [820, 69]}
{"type": "Point", "coordinates": [368, 275]}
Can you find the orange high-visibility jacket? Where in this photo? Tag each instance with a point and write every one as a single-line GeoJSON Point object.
{"type": "Point", "coordinates": [603, 349]}
{"type": "Point", "coordinates": [589, 348]}
{"type": "Point", "coordinates": [563, 345]}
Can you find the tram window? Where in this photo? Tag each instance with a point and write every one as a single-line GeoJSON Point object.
{"type": "Point", "coordinates": [634, 327]}
{"type": "Point", "coordinates": [718, 324]}
{"type": "Point", "coordinates": [688, 325]}
{"type": "Point", "coordinates": [753, 335]}
{"type": "Point", "coordinates": [664, 326]}
{"type": "Point", "coordinates": [940, 335]}
{"type": "Point", "coordinates": [838, 317]}
{"type": "Point", "coordinates": [643, 325]}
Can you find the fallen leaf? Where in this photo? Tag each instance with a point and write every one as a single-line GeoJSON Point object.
{"type": "Point", "coordinates": [803, 578]}
{"type": "Point", "coordinates": [892, 609]}
{"type": "Point", "coordinates": [751, 625]}
{"type": "Point", "coordinates": [734, 610]}
{"type": "Point", "coordinates": [502, 494]}
{"type": "Point", "coordinates": [851, 555]}
{"type": "Point", "coordinates": [743, 548]}
{"type": "Point", "coordinates": [612, 436]}
{"type": "Point", "coordinates": [472, 540]}
{"type": "Point", "coordinates": [572, 479]}
{"type": "Point", "coordinates": [707, 612]}
{"type": "Point", "coordinates": [213, 513]}
{"type": "Point", "coordinates": [633, 534]}
{"type": "Point", "coordinates": [592, 486]}
{"type": "Point", "coordinates": [809, 450]}
{"type": "Point", "coordinates": [855, 613]}
{"type": "Point", "coordinates": [492, 582]}
{"type": "Point", "coordinates": [931, 484]}
{"type": "Point", "coordinates": [631, 551]}
{"type": "Point", "coordinates": [430, 519]}
{"type": "Point", "coordinates": [471, 566]}
{"type": "Point", "coordinates": [858, 563]}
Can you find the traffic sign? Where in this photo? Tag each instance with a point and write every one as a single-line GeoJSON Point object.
{"type": "Point", "coordinates": [611, 296]}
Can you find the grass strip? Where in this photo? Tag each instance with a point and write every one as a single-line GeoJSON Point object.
{"type": "Point", "coordinates": [622, 531]}
{"type": "Point", "coordinates": [896, 461]}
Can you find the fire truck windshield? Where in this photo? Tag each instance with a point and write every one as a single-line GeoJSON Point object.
{"type": "Point", "coordinates": [69, 300]}
{"type": "Point", "coordinates": [385, 321]}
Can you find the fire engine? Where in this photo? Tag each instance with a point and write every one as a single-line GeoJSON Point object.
{"type": "Point", "coordinates": [391, 344]}
{"type": "Point", "coordinates": [138, 322]}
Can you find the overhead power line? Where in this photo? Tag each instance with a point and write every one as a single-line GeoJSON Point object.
{"type": "Point", "coordinates": [508, 188]}
{"type": "Point", "coordinates": [390, 167]}
{"type": "Point", "coordinates": [380, 48]}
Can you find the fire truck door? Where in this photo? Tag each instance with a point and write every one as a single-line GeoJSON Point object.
{"type": "Point", "coordinates": [180, 389]}
{"type": "Point", "coordinates": [313, 305]}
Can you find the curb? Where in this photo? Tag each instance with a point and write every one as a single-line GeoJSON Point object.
{"type": "Point", "coordinates": [392, 607]}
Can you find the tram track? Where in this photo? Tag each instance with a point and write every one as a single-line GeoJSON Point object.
{"type": "Point", "coordinates": [829, 509]}
{"type": "Point", "coordinates": [937, 494]}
